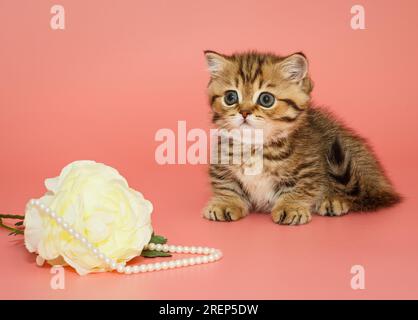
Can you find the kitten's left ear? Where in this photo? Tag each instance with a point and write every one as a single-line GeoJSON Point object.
{"type": "Point", "coordinates": [295, 67]}
{"type": "Point", "coordinates": [216, 62]}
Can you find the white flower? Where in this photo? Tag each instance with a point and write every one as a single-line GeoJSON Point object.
{"type": "Point", "coordinates": [98, 203]}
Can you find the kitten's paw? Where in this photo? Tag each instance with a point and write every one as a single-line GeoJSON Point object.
{"type": "Point", "coordinates": [219, 211]}
{"type": "Point", "coordinates": [332, 207]}
{"type": "Point", "coordinates": [291, 215]}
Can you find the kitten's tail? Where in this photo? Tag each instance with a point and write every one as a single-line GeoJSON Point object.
{"type": "Point", "coordinates": [376, 200]}
{"type": "Point", "coordinates": [360, 177]}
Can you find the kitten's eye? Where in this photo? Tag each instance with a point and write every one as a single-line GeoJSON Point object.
{"type": "Point", "coordinates": [231, 97]}
{"type": "Point", "coordinates": [266, 100]}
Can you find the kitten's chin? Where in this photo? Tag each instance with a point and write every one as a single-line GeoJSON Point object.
{"type": "Point", "coordinates": [246, 126]}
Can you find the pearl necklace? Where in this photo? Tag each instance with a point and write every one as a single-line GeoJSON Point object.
{"type": "Point", "coordinates": [209, 254]}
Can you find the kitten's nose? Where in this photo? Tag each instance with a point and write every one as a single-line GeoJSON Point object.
{"type": "Point", "coordinates": [245, 113]}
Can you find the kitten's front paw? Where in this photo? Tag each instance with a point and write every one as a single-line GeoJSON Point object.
{"type": "Point", "coordinates": [220, 211]}
{"type": "Point", "coordinates": [333, 207]}
{"type": "Point", "coordinates": [291, 215]}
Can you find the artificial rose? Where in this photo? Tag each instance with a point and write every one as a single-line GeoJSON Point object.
{"type": "Point", "coordinates": [98, 203]}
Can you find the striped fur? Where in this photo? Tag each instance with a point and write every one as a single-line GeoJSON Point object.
{"type": "Point", "coordinates": [311, 162]}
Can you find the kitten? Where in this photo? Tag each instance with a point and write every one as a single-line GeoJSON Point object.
{"type": "Point", "coordinates": [310, 161]}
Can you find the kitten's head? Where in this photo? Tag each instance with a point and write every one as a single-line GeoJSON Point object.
{"type": "Point", "coordinates": [258, 91]}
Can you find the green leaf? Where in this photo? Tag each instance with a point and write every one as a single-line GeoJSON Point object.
{"type": "Point", "coordinates": [154, 254]}
{"type": "Point", "coordinates": [20, 223]}
{"type": "Point", "coordinates": [158, 239]}
{"type": "Point", "coordinates": [12, 216]}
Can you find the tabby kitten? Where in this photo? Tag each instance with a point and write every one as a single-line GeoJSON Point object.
{"type": "Point", "coordinates": [310, 161]}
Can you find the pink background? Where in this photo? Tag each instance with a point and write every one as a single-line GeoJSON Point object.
{"type": "Point", "coordinates": [124, 69]}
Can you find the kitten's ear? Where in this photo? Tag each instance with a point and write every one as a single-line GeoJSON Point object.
{"type": "Point", "coordinates": [295, 67]}
{"type": "Point", "coordinates": [216, 62]}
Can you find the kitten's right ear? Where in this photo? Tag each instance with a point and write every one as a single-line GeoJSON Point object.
{"type": "Point", "coordinates": [216, 62]}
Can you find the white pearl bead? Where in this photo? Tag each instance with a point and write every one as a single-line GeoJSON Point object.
{"type": "Point", "coordinates": [83, 240]}
{"type": "Point", "coordinates": [172, 249]}
{"type": "Point", "coordinates": [128, 270]}
{"type": "Point", "coordinates": [186, 249]}
{"type": "Point", "coordinates": [151, 246]}
{"type": "Point", "coordinates": [107, 260]}
{"type": "Point", "coordinates": [77, 235]}
{"type": "Point", "coordinates": [158, 247]}
{"type": "Point", "coordinates": [165, 248]}
{"type": "Point", "coordinates": [36, 203]}
{"type": "Point", "coordinates": [205, 259]}
{"type": "Point", "coordinates": [198, 260]}
{"type": "Point", "coordinates": [42, 206]}
{"type": "Point", "coordinates": [206, 250]}
{"type": "Point", "coordinates": [192, 261]}
{"type": "Point", "coordinates": [179, 249]}
{"type": "Point", "coordinates": [53, 214]}
{"type": "Point", "coordinates": [58, 220]}
{"type": "Point", "coordinates": [32, 202]}
{"type": "Point", "coordinates": [89, 245]}
{"type": "Point", "coordinates": [157, 266]}
{"type": "Point", "coordinates": [101, 256]}
{"type": "Point", "coordinates": [113, 265]}
{"type": "Point", "coordinates": [95, 251]}
{"type": "Point", "coordinates": [65, 225]}
{"type": "Point", "coordinates": [120, 268]}
{"type": "Point", "coordinates": [179, 263]}
{"type": "Point", "coordinates": [193, 250]}
{"type": "Point", "coordinates": [211, 258]}
{"type": "Point", "coordinates": [71, 231]}
{"type": "Point", "coordinates": [185, 262]}
{"type": "Point", "coordinates": [143, 268]}
{"type": "Point", "coordinates": [150, 267]}
{"type": "Point", "coordinates": [199, 250]}
{"type": "Point", "coordinates": [171, 264]}
{"type": "Point", "coordinates": [212, 250]}
{"type": "Point", "coordinates": [164, 265]}
{"type": "Point", "coordinates": [135, 269]}
{"type": "Point", "coordinates": [47, 210]}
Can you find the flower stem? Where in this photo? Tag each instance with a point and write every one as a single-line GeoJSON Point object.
{"type": "Point", "coordinates": [12, 216]}
{"type": "Point", "coordinates": [13, 230]}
